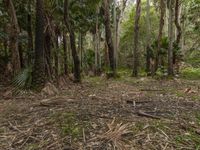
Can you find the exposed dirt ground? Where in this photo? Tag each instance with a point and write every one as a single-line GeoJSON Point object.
{"type": "Point", "coordinates": [99, 114]}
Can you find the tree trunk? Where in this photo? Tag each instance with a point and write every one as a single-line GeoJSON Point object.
{"type": "Point", "coordinates": [115, 33]}
{"type": "Point", "coordinates": [65, 54]}
{"type": "Point", "coordinates": [14, 33]}
{"type": "Point", "coordinates": [162, 23]}
{"type": "Point", "coordinates": [30, 35]}
{"type": "Point", "coordinates": [148, 38]}
{"type": "Point", "coordinates": [170, 48]}
{"type": "Point", "coordinates": [77, 71]}
{"type": "Point", "coordinates": [136, 34]}
{"type": "Point", "coordinates": [109, 38]}
{"type": "Point", "coordinates": [39, 65]}
{"type": "Point", "coordinates": [48, 64]}
{"type": "Point", "coordinates": [56, 55]}
{"type": "Point", "coordinates": [178, 27]}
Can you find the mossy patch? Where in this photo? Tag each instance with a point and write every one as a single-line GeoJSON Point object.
{"type": "Point", "coordinates": [68, 124]}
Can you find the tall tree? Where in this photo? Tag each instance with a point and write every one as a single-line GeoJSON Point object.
{"type": "Point", "coordinates": [136, 35]}
{"type": "Point", "coordinates": [77, 71]}
{"type": "Point", "coordinates": [170, 48]}
{"type": "Point", "coordinates": [177, 22]}
{"type": "Point", "coordinates": [148, 38]}
{"type": "Point", "coordinates": [109, 37]}
{"type": "Point", "coordinates": [39, 64]}
{"type": "Point", "coordinates": [66, 70]}
{"type": "Point", "coordinates": [13, 40]}
{"type": "Point", "coordinates": [160, 34]}
{"type": "Point", "coordinates": [30, 34]}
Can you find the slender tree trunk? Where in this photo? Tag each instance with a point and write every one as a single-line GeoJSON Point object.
{"type": "Point", "coordinates": [56, 56]}
{"type": "Point", "coordinates": [48, 64]}
{"type": "Point", "coordinates": [161, 26]}
{"type": "Point", "coordinates": [177, 22]}
{"type": "Point", "coordinates": [30, 35]}
{"type": "Point", "coordinates": [136, 35]}
{"type": "Point", "coordinates": [65, 54]}
{"type": "Point", "coordinates": [109, 38]}
{"type": "Point", "coordinates": [170, 49]}
{"type": "Point", "coordinates": [115, 33]}
{"type": "Point", "coordinates": [14, 33]}
{"type": "Point", "coordinates": [39, 65]}
{"type": "Point", "coordinates": [148, 38]}
{"type": "Point", "coordinates": [97, 47]}
{"type": "Point", "coordinates": [77, 71]}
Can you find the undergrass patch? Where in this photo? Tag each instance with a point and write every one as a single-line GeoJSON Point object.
{"type": "Point", "coordinates": [190, 137]}
{"type": "Point", "coordinates": [68, 124]}
{"type": "Point", "coordinates": [191, 73]}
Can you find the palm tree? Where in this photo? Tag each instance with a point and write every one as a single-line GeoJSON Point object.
{"type": "Point", "coordinates": [39, 64]}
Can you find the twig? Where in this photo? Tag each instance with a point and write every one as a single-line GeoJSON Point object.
{"type": "Point", "coordinates": [141, 113]}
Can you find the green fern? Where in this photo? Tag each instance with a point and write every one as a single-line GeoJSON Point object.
{"type": "Point", "coordinates": [22, 81]}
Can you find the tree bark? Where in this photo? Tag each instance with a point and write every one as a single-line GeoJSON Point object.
{"type": "Point", "coordinates": [160, 34]}
{"type": "Point", "coordinates": [65, 54]}
{"type": "Point", "coordinates": [39, 65]}
{"type": "Point", "coordinates": [48, 48]}
{"type": "Point", "coordinates": [30, 35]}
{"type": "Point", "coordinates": [77, 71]}
{"type": "Point", "coordinates": [109, 38]}
{"type": "Point", "coordinates": [136, 35]}
{"type": "Point", "coordinates": [178, 27]}
{"type": "Point", "coordinates": [14, 33]}
{"type": "Point", "coordinates": [148, 38]}
{"type": "Point", "coordinates": [170, 48]}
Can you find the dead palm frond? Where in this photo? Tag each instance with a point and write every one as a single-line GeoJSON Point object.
{"type": "Point", "coordinates": [116, 135]}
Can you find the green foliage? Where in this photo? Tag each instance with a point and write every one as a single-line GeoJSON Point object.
{"type": "Point", "coordinates": [23, 80]}
{"type": "Point", "coordinates": [193, 58]}
{"type": "Point", "coordinates": [68, 123]}
{"type": "Point", "coordinates": [89, 58]}
{"type": "Point", "coordinates": [191, 73]}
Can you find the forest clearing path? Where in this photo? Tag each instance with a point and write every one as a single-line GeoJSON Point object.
{"type": "Point", "coordinates": [153, 114]}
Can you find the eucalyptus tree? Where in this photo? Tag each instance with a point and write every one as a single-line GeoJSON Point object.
{"type": "Point", "coordinates": [109, 37]}
{"type": "Point", "coordinates": [160, 34]}
{"type": "Point", "coordinates": [170, 36]}
{"type": "Point", "coordinates": [136, 33]}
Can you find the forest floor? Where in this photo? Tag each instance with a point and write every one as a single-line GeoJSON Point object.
{"type": "Point", "coordinates": [100, 114]}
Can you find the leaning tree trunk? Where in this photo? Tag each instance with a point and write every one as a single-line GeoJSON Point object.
{"type": "Point", "coordinates": [170, 48]}
{"type": "Point", "coordinates": [109, 38]}
{"type": "Point", "coordinates": [136, 35]}
{"type": "Point", "coordinates": [14, 33]}
{"type": "Point", "coordinates": [39, 65]}
{"type": "Point", "coordinates": [161, 26]}
{"type": "Point", "coordinates": [77, 70]}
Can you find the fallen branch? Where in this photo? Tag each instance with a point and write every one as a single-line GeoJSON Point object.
{"type": "Point", "coordinates": [144, 114]}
